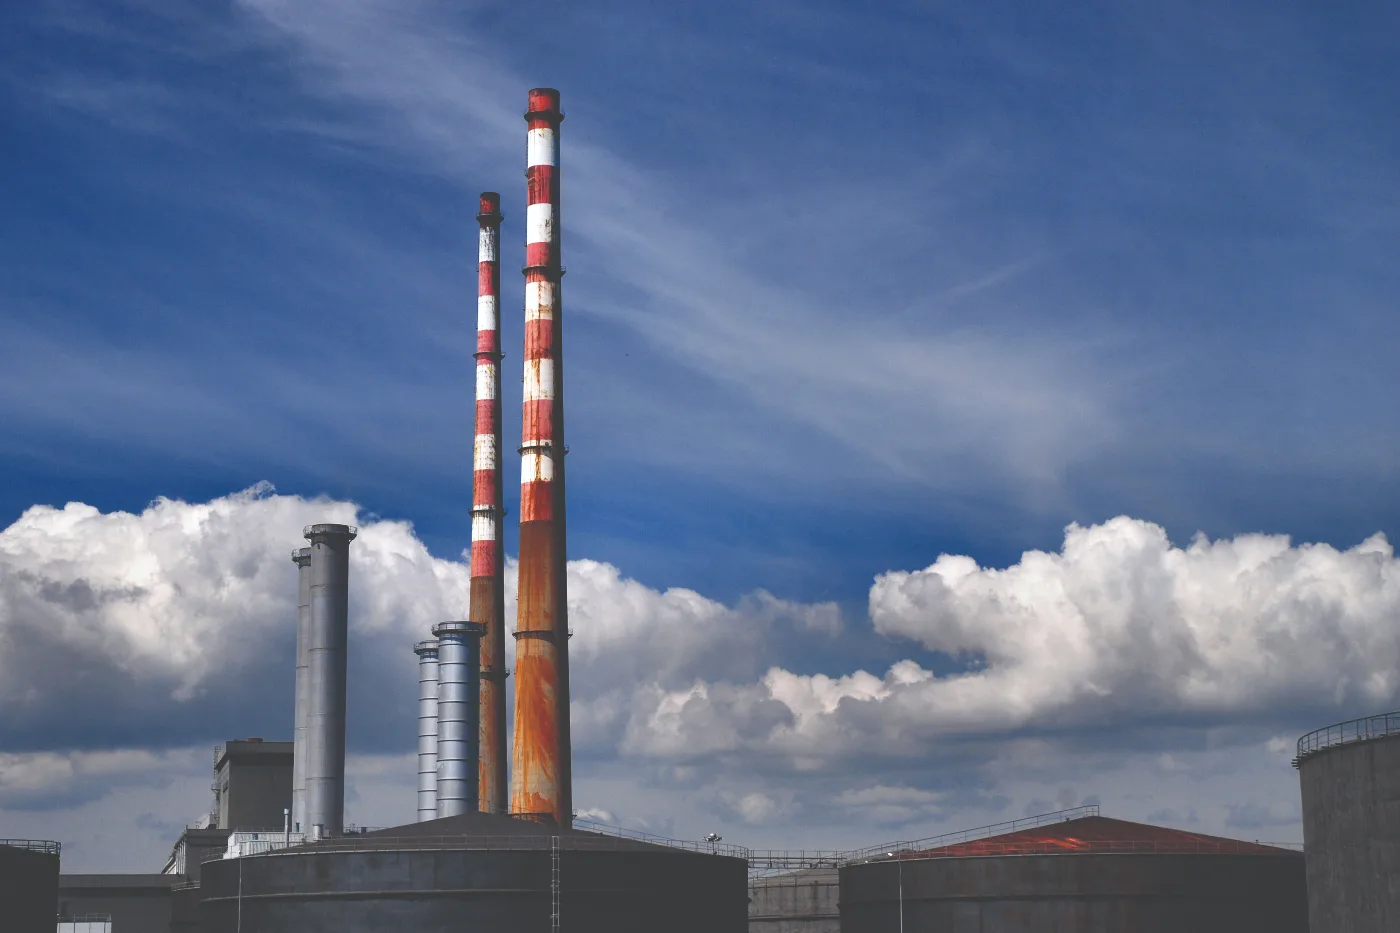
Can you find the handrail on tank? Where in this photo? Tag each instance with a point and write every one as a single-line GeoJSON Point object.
{"type": "Point", "coordinates": [978, 848]}
{"type": "Point", "coordinates": [980, 832]}
{"type": "Point", "coordinates": [571, 842]}
{"type": "Point", "coordinates": [712, 848]}
{"type": "Point", "coordinates": [1345, 733]}
{"type": "Point", "coordinates": [47, 846]}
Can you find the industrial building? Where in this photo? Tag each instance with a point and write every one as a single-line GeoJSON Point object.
{"type": "Point", "coordinates": [1084, 873]}
{"type": "Point", "coordinates": [1349, 774]}
{"type": "Point", "coordinates": [28, 883]}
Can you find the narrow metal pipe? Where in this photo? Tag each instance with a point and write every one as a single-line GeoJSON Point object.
{"type": "Point", "coordinates": [325, 721]}
{"type": "Point", "coordinates": [302, 558]}
{"type": "Point", "coordinates": [458, 710]}
{"type": "Point", "coordinates": [488, 510]}
{"type": "Point", "coordinates": [427, 652]}
{"type": "Point", "coordinates": [540, 768]}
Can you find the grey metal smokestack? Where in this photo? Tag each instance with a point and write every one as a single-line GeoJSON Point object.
{"type": "Point", "coordinates": [427, 652]}
{"type": "Point", "coordinates": [325, 719]}
{"type": "Point", "coordinates": [459, 715]}
{"type": "Point", "coordinates": [302, 558]}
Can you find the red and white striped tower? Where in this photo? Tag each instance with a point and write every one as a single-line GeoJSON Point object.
{"type": "Point", "coordinates": [540, 767]}
{"type": "Point", "coordinates": [488, 558]}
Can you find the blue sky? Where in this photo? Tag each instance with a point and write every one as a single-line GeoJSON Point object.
{"type": "Point", "coordinates": [848, 287]}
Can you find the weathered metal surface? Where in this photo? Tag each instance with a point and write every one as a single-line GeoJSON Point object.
{"type": "Point", "coordinates": [488, 510]}
{"type": "Point", "coordinates": [326, 659]}
{"type": "Point", "coordinates": [427, 652]}
{"type": "Point", "coordinates": [451, 890]}
{"type": "Point", "coordinates": [494, 790]}
{"type": "Point", "coordinates": [541, 775]}
{"type": "Point", "coordinates": [458, 711]}
{"type": "Point", "coordinates": [1076, 893]}
{"type": "Point", "coordinates": [302, 558]}
{"type": "Point", "coordinates": [1351, 834]}
{"type": "Point", "coordinates": [536, 750]}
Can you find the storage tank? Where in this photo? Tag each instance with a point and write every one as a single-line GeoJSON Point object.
{"type": "Point", "coordinates": [1350, 779]}
{"type": "Point", "coordinates": [801, 901]}
{"type": "Point", "coordinates": [476, 871]}
{"type": "Point", "coordinates": [28, 885]}
{"type": "Point", "coordinates": [1085, 875]}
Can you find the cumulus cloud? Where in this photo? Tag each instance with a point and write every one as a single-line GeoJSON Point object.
{"type": "Point", "coordinates": [1120, 628]}
{"type": "Point", "coordinates": [125, 633]}
{"type": "Point", "coordinates": [176, 624]}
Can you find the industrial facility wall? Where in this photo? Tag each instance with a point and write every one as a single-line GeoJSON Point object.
{"type": "Point", "coordinates": [28, 890]}
{"type": "Point", "coordinates": [137, 903]}
{"type": "Point", "coordinates": [253, 792]}
{"type": "Point", "coordinates": [428, 891]}
{"type": "Point", "coordinates": [1351, 836]}
{"type": "Point", "coordinates": [795, 902]}
{"type": "Point", "coordinates": [1077, 894]}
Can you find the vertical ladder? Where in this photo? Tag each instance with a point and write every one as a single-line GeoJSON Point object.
{"type": "Point", "coordinates": [554, 885]}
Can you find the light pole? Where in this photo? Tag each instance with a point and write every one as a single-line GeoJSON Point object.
{"type": "Point", "coordinates": [900, 865]}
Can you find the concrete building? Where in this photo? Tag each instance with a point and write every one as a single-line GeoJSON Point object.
{"type": "Point", "coordinates": [195, 845]}
{"type": "Point", "coordinates": [28, 884]}
{"type": "Point", "coordinates": [134, 903]}
{"type": "Point", "coordinates": [252, 783]}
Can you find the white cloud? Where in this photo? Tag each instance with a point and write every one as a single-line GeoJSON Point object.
{"type": "Point", "coordinates": [183, 610]}
{"type": "Point", "coordinates": [1120, 634]}
{"type": "Point", "coordinates": [188, 607]}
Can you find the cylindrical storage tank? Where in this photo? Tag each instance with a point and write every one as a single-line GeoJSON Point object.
{"type": "Point", "coordinates": [494, 883]}
{"type": "Point", "coordinates": [28, 885]}
{"type": "Point", "coordinates": [458, 715]}
{"type": "Point", "coordinates": [803, 901]}
{"type": "Point", "coordinates": [1074, 892]}
{"type": "Point", "coordinates": [1350, 778]}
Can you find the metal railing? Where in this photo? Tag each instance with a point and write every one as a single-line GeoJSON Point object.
{"type": "Point", "coordinates": [687, 845]}
{"type": "Point", "coordinates": [47, 846]}
{"type": "Point", "coordinates": [980, 832]}
{"type": "Point", "coordinates": [1099, 847]}
{"type": "Point", "coordinates": [1344, 733]}
{"type": "Point", "coordinates": [514, 843]}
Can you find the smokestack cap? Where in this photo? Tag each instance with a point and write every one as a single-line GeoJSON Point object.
{"type": "Point", "coordinates": [490, 211]}
{"type": "Point", "coordinates": [301, 556]}
{"type": "Point", "coordinates": [426, 648]}
{"type": "Point", "coordinates": [311, 532]}
{"type": "Point", "coordinates": [544, 105]}
{"type": "Point", "coordinates": [468, 629]}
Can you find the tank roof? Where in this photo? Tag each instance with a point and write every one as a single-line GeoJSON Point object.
{"type": "Point", "coordinates": [1099, 834]}
{"type": "Point", "coordinates": [490, 831]}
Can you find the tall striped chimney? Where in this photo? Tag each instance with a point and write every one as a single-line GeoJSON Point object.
{"type": "Point", "coordinates": [458, 710]}
{"type": "Point", "coordinates": [540, 770]}
{"type": "Point", "coordinates": [302, 558]}
{"type": "Point", "coordinates": [488, 605]}
{"type": "Point", "coordinates": [427, 652]}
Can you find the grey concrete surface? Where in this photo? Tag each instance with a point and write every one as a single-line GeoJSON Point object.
{"type": "Point", "coordinates": [1351, 836]}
